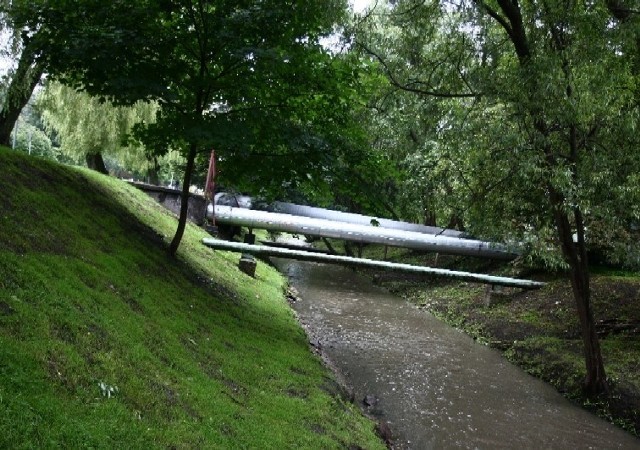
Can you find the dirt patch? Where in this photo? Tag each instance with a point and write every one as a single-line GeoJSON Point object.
{"type": "Point", "coordinates": [56, 367]}
{"type": "Point", "coordinates": [236, 391]}
{"type": "Point", "coordinates": [297, 393]}
{"type": "Point", "coordinates": [63, 332]}
{"type": "Point", "coordinates": [317, 429]}
{"type": "Point", "coordinates": [6, 309]}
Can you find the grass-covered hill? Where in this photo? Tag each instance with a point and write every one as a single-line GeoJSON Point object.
{"type": "Point", "coordinates": [106, 342]}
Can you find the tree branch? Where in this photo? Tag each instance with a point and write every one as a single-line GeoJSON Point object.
{"type": "Point", "coordinates": [518, 34]}
{"type": "Point", "coordinates": [497, 17]}
{"type": "Point", "coordinates": [407, 87]}
{"type": "Point", "coordinates": [512, 24]}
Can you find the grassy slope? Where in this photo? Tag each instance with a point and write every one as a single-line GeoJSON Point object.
{"type": "Point", "coordinates": [539, 330]}
{"type": "Point", "coordinates": [202, 356]}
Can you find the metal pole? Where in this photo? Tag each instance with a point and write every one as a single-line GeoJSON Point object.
{"type": "Point", "coordinates": [209, 187]}
{"type": "Point", "coordinates": [362, 262]}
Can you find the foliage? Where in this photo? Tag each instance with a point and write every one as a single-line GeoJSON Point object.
{"type": "Point", "coordinates": [475, 149]}
{"type": "Point", "coordinates": [84, 125]}
{"type": "Point", "coordinates": [249, 79]}
{"type": "Point", "coordinates": [33, 141]}
{"type": "Point", "coordinates": [219, 83]}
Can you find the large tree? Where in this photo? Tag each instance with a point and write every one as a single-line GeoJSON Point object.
{"type": "Point", "coordinates": [248, 78]}
{"type": "Point", "coordinates": [538, 111]}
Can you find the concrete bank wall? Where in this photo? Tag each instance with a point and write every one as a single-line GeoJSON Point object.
{"type": "Point", "coordinates": [170, 199]}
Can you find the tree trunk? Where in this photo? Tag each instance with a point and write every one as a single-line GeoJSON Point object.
{"type": "Point", "coordinates": [575, 254]}
{"type": "Point", "coordinates": [347, 249]}
{"type": "Point", "coordinates": [23, 82]}
{"type": "Point", "coordinates": [455, 222]}
{"type": "Point", "coordinates": [184, 200]}
{"type": "Point", "coordinates": [95, 162]}
{"type": "Point", "coordinates": [390, 210]}
{"type": "Point", "coordinates": [595, 381]}
{"type": "Point", "coordinates": [329, 246]}
{"type": "Point", "coordinates": [154, 172]}
{"type": "Point", "coordinates": [429, 217]}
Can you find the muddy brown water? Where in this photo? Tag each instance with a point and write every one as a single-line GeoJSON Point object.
{"type": "Point", "coordinates": [433, 385]}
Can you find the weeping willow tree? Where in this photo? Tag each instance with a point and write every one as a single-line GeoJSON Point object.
{"type": "Point", "coordinates": [91, 130]}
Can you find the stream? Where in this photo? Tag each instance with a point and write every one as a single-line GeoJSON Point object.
{"type": "Point", "coordinates": [433, 385]}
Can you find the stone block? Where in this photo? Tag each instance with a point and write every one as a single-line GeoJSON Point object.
{"type": "Point", "coordinates": [248, 265]}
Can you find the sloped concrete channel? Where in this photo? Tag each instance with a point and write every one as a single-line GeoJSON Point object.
{"type": "Point", "coordinates": [433, 385]}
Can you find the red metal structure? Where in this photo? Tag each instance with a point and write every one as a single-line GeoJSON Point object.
{"type": "Point", "coordinates": [209, 187]}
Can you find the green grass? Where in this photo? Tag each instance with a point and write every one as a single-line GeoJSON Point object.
{"type": "Point", "coordinates": [196, 354]}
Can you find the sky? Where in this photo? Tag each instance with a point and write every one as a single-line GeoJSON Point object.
{"type": "Point", "coordinates": [359, 5]}
{"type": "Point", "coordinates": [4, 43]}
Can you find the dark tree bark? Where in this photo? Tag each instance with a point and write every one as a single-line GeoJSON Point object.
{"type": "Point", "coordinates": [200, 102]}
{"type": "Point", "coordinates": [575, 253]}
{"type": "Point", "coordinates": [348, 250]}
{"type": "Point", "coordinates": [456, 222]}
{"type": "Point", "coordinates": [626, 13]}
{"type": "Point", "coordinates": [154, 172]}
{"type": "Point", "coordinates": [23, 82]}
{"type": "Point", "coordinates": [329, 246]}
{"type": "Point", "coordinates": [96, 162]}
{"type": "Point", "coordinates": [429, 217]}
{"type": "Point", "coordinates": [619, 9]}
{"type": "Point", "coordinates": [184, 200]}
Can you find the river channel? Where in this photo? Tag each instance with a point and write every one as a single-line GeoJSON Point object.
{"type": "Point", "coordinates": [434, 386]}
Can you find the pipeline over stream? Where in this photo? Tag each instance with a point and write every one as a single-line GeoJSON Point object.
{"type": "Point", "coordinates": [245, 201]}
{"type": "Point", "coordinates": [228, 215]}
{"type": "Point", "coordinates": [307, 220]}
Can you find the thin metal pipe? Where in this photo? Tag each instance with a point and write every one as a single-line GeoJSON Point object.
{"type": "Point", "coordinates": [357, 233]}
{"type": "Point", "coordinates": [363, 262]}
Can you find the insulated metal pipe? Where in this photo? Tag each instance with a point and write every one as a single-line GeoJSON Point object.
{"type": "Point", "coordinates": [362, 262]}
{"type": "Point", "coordinates": [244, 201]}
{"type": "Point", "coordinates": [358, 219]}
{"type": "Point", "coordinates": [357, 233]}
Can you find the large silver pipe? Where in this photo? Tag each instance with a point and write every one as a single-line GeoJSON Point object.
{"type": "Point", "coordinates": [362, 262]}
{"type": "Point", "coordinates": [358, 219]}
{"type": "Point", "coordinates": [358, 233]}
{"type": "Point", "coordinates": [244, 201]}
